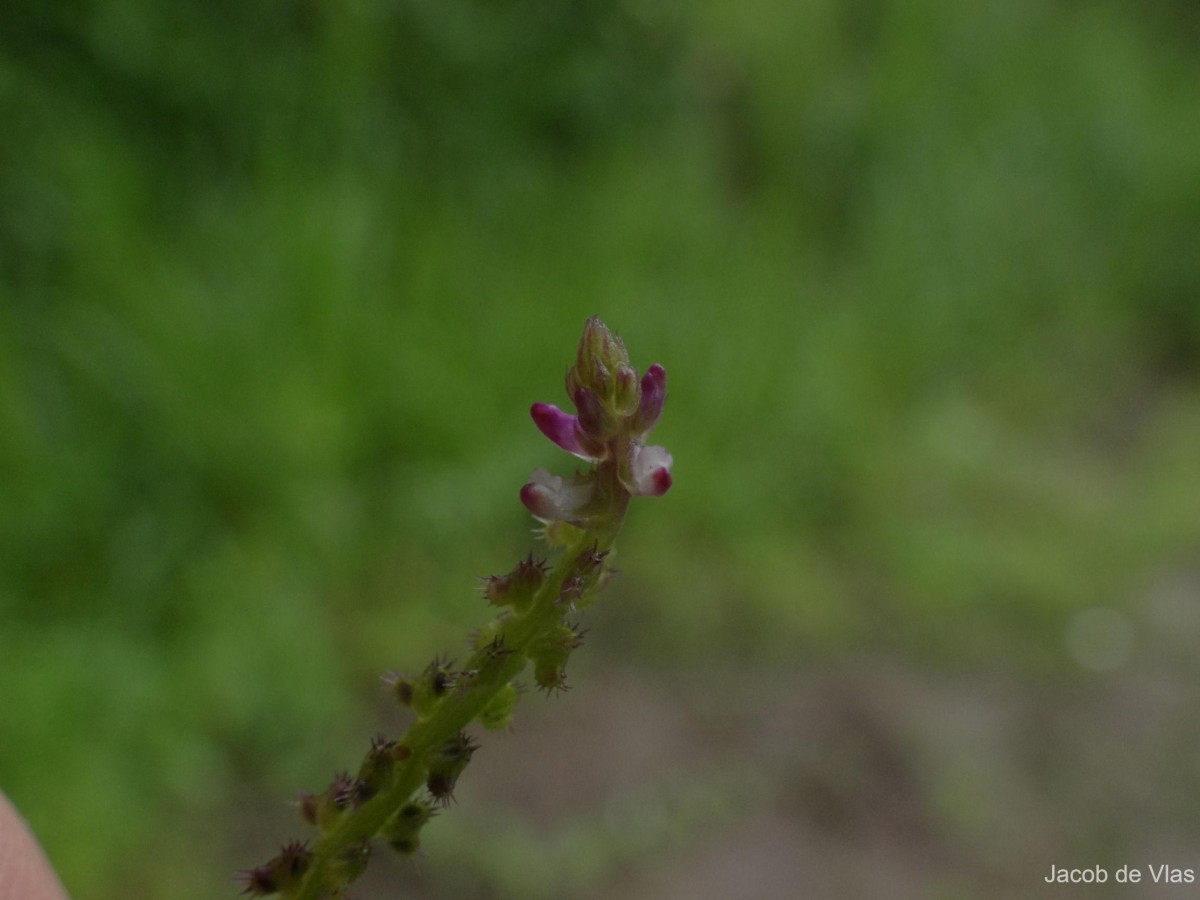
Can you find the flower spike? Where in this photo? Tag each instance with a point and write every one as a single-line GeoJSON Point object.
{"type": "Point", "coordinates": [532, 629]}
{"type": "Point", "coordinates": [614, 413]}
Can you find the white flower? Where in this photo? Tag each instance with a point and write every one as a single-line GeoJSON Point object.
{"type": "Point", "coordinates": [554, 498]}
{"type": "Point", "coordinates": [650, 470]}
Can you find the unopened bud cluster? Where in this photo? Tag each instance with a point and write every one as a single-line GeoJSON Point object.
{"type": "Point", "coordinates": [401, 782]}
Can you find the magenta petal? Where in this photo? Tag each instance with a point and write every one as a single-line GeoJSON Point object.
{"type": "Point", "coordinates": [661, 479]}
{"type": "Point", "coordinates": [538, 501]}
{"type": "Point", "coordinates": [593, 420]}
{"type": "Point", "coordinates": [559, 426]}
{"type": "Point", "coordinates": [654, 395]}
{"type": "Point", "coordinates": [564, 429]}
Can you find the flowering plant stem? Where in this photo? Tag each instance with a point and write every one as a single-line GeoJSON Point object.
{"type": "Point", "coordinates": [581, 516]}
{"type": "Point", "coordinates": [424, 737]}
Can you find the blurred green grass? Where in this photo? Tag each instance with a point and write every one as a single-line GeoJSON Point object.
{"type": "Point", "coordinates": [279, 283]}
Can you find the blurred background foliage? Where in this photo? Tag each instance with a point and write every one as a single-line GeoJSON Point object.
{"type": "Point", "coordinates": [279, 281]}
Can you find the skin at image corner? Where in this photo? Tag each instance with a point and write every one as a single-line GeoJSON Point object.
{"type": "Point", "coordinates": [25, 872]}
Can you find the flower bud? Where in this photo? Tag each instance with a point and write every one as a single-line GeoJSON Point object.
{"type": "Point", "coordinates": [516, 589]}
{"type": "Point", "coordinates": [423, 692]}
{"type": "Point", "coordinates": [325, 809]}
{"type": "Point", "coordinates": [281, 873]}
{"type": "Point", "coordinates": [377, 767]}
{"type": "Point", "coordinates": [401, 687]}
{"type": "Point", "coordinates": [594, 420]}
{"type": "Point", "coordinates": [649, 471]}
{"type": "Point", "coordinates": [601, 380]}
{"type": "Point", "coordinates": [600, 355]}
{"type": "Point", "coordinates": [447, 764]}
{"type": "Point", "coordinates": [565, 430]}
{"type": "Point", "coordinates": [550, 677]}
{"type": "Point", "coordinates": [628, 393]}
{"type": "Point", "coordinates": [550, 654]}
{"type": "Point", "coordinates": [650, 404]}
{"type": "Point", "coordinates": [403, 830]}
{"type": "Point", "coordinates": [554, 498]}
{"type": "Point", "coordinates": [490, 651]}
{"type": "Point", "coordinates": [581, 584]}
{"type": "Point", "coordinates": [497, 714]}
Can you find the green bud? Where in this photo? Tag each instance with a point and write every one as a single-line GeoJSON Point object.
{"type": "Point", "coordinates": [549, 677]}
{"type": "Point", "coordinates": [403, 831]}
{"type": "Point", "coordinates": [433, 684]}
{"type": "Point", "coordinates": [600, 355]}
{"type": "Point", "coordinates": [550, 654]}
{"type": "Point", "coordinates": [326, 809]}
{"type": "Point", "coordinates": [487, 636]}
{"type": "Point", "coordinates": [406, 845]}
{"type": "Point", "coordinates": [377, 767]}
{"type": "Point", "coordinates": [628, 392]}
{"type": "Point", "coordinates": [516, 589]}
{"type": "Point", "coordinates": [447, 764]}
{"type": "Point", "coordinates": [595, 419]}
{"type": "Point", "coordinates": [589, 574]}
{"type": "Point", "coordinates": [497, 714]}
{"type": "Point", "coordinates": [401, 687]}
{"type": "Point", "coordinates": [490, 651]}
{"type": "Point", "coordinates": [279, 874]}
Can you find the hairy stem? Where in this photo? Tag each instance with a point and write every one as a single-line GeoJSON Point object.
{"type": "Point", "coordinates": [452, 715]}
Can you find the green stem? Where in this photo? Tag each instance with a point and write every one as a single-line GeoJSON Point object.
{"type": "Point", "coordinates": [453, 714]}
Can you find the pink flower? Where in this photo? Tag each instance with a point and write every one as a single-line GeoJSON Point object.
{"type": "Point", "coordinates": [650, 470]}
{"type": "Point", "coordinates": [553, 498]}
{"type": "Point", "coordinates": [614, 412]}
{"type": "Point", "coordinates": [564, 429]}
{"type": "Point", "coordinates": [654, 395]}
